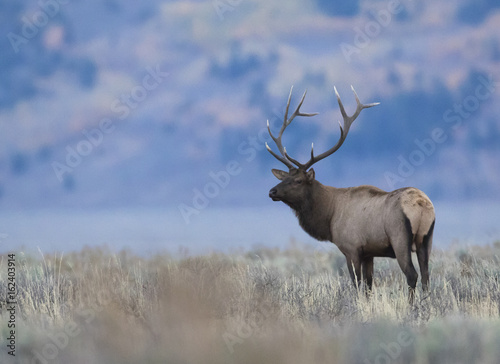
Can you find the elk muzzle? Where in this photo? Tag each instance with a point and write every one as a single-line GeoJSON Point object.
{"type": "Point", "coordinates": [273, 193]}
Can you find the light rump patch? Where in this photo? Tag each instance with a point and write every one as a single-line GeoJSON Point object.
{"type": "Point", "coordinates": [419, 210]}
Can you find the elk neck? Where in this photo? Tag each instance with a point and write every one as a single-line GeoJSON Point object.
{"type": "Point", "coordinates": [315, 212]}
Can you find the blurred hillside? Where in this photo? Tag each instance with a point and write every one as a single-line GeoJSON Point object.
{"type": "Point", "coordinates": [108, 103]}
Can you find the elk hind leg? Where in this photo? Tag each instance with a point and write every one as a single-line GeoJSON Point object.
{"type": "Point", "coordinates": [402, 242]}
{"type": "Point", "coordinates": [424, 245]}
{"type": "Point", "coordinates": [406, 265]}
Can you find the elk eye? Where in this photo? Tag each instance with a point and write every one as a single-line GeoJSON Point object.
{"type": "Point", "coordinates": [298, 181]}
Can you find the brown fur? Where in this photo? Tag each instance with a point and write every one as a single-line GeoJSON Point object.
{"type": "Point", "coordinates": [364, 222]}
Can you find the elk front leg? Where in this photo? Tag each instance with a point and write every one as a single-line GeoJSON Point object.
{"type": "Point", "coordinates": [354, 266]}
{"type": "Point", "coordinates": [367, 266]}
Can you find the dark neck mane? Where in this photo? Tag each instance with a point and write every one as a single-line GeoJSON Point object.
{"type": "Point", "coordinates": [315, 213]}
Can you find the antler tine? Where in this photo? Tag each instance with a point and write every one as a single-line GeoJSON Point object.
{"type": "Point", "coordinates": [277, 141]}
{"type": "Point", "coordinates": [281, 159]}
{"type": "Point", "coordinates": [297, 110]}
{"type": "Point", "coordinates": [286, 111]}
{"type": "Point", "coordinates": [285, 158]}
{"type": "Point", "coordinates": [348, 120]}
{"type": "Point", "coordinates": [364, 106]}
{"type": "Point", "coordinates": [294, 161]}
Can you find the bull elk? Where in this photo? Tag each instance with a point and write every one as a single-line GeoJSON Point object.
{"type": "Point", "coordinates": [365, 221]}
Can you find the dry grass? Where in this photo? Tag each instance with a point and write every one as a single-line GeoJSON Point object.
{"type": "Point", "coordinates": [266, 306]}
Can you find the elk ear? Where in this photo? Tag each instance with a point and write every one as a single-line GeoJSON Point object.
{"type": "Point", "coordinates": [281, 175]}
{"type": "Point", "coordinates": [310, 175]}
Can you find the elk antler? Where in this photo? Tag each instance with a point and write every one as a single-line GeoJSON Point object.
{"type": "Point", "coordinates": [285, 159]}
{"type": "Point", "coordinates": [348, 120]}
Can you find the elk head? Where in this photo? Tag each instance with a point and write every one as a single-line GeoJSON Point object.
{"type": "Point", "coordinates": [296, 184]}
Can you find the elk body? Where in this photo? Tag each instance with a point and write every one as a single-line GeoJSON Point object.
{"type": "Point", "coordinates": [365, 221]}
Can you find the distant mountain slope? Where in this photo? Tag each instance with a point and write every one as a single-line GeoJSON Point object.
{"type": "Point", "coordinates": [106, 103]}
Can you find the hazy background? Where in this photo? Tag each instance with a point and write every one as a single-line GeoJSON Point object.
{"type": "Point", "coordinates": [118, 118]}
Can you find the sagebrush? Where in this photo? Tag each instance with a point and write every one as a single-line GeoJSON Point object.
{"type": "Point", "coordinates": [265, 306]}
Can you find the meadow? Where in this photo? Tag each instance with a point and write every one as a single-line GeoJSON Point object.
{"type": "Point", "coordinates": [295, 305]}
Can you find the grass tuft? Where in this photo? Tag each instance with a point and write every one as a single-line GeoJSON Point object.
{"type": "Point", "coordinates": [265, 306]}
